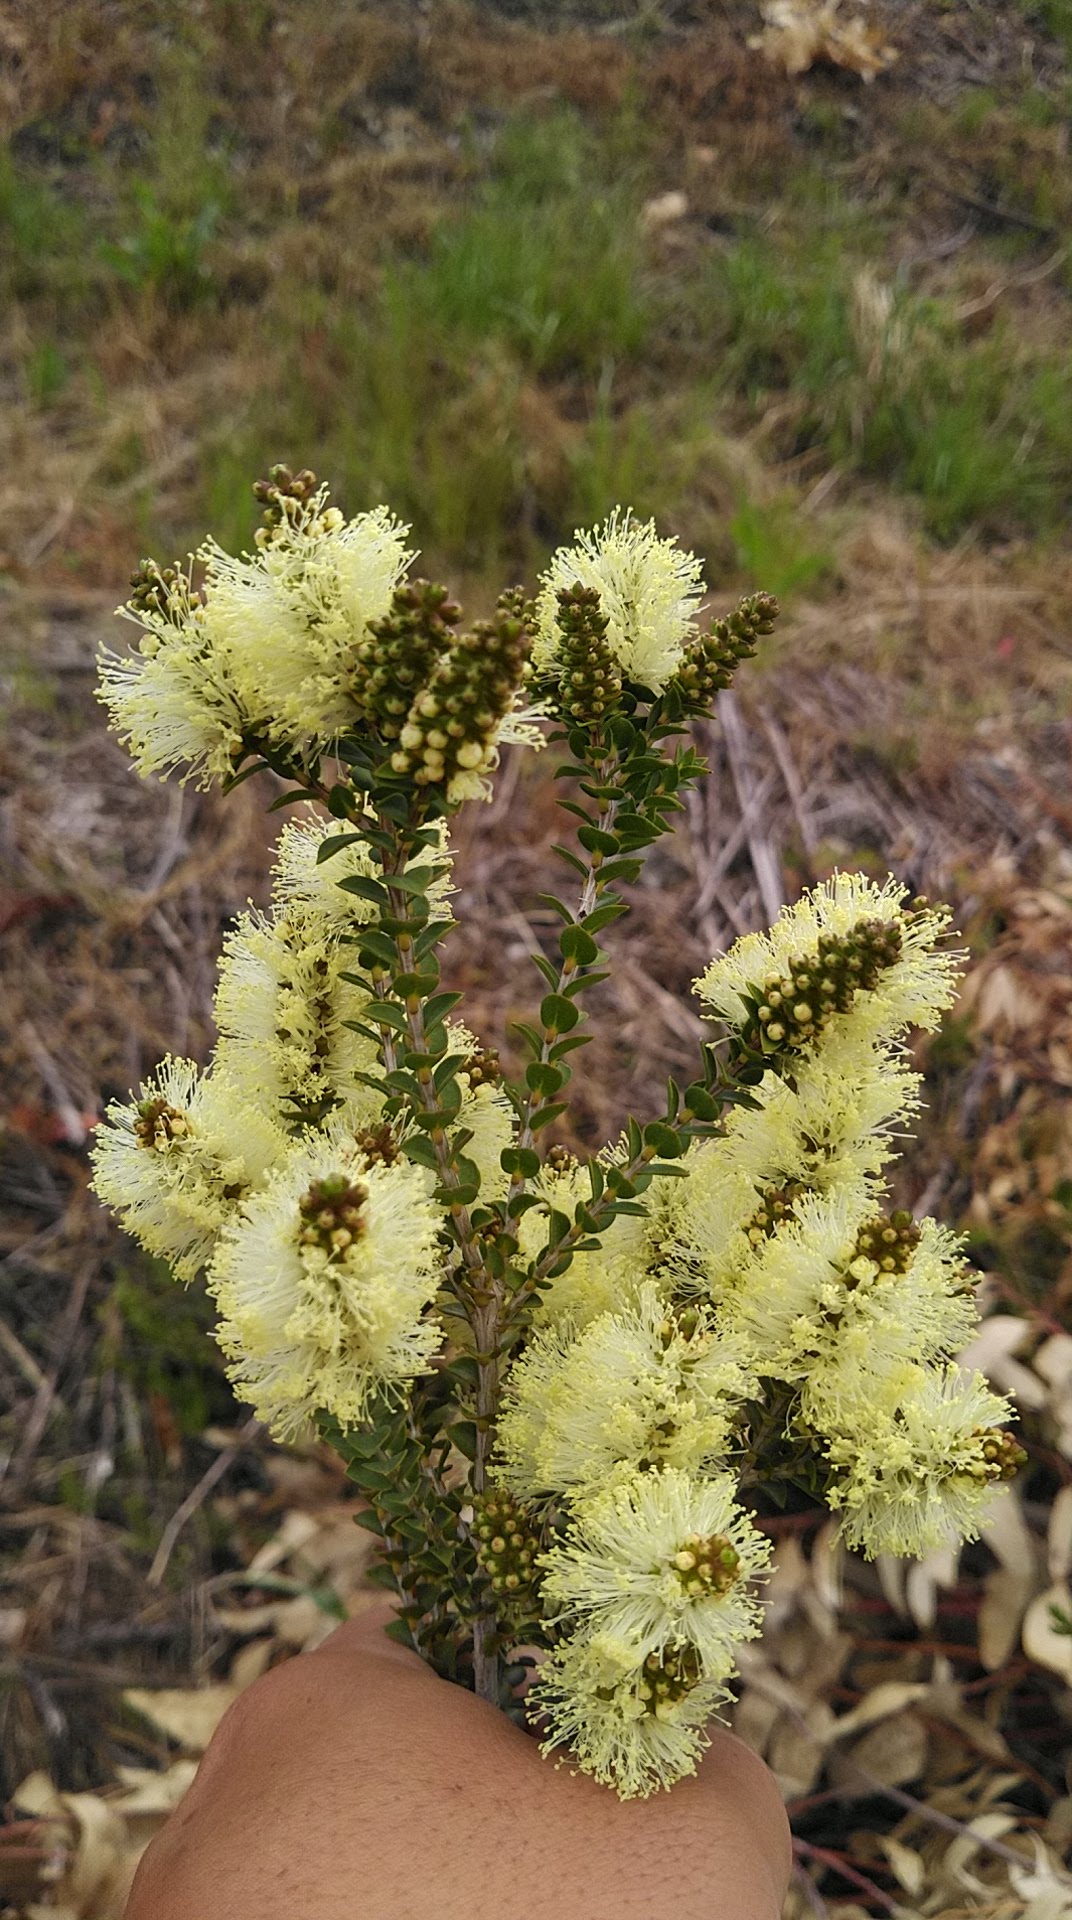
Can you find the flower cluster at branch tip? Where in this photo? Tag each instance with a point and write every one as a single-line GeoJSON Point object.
{"type": "Point", "coordinates": [849, 954]}
{"type": "Point", "coordinates": [590, 673]}
{"type": "Point", "coordinates": [648, 593]}
{"type": "Point", "coordinates": [506, 1544]}
{"type": "Point", "coordinates": [720, 1306]}
{"type": "Point", "coordinates": [712, 658]}
{"type": "Point", "coordinates": [313, 639]}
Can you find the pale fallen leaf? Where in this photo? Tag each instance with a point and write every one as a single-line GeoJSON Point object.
{"type": "Point", "coordinates": [992, 1352]}
{"type": "Point", "coordinates": [250, 1662]}
{"type": "Point", "coordinates": [986, 1826]}
{"type": "Point", "coordinates": [37, 1796]}
{"type": "Point", "coordinates": [296, 1529]}
{"type": "Point", "coordinates": [797, 33]}
{"type": "Point", "coordinates": [894, 1752]}
{"type": "Point", "coordinates": [890, 1697]}
{"type": "Point", "coordinates": [1007, 1592]}
{"type": "Point", "coordinates": [189, 1716]}
{"type": "Point", "coordinates": [923, 1579]}
{"type": "Point", "coordinates": [12, 1622]}
{"type": "Point", "coordinates": [1059, 1536]}
{"type": "Point", "coordinates": [1007, 1533]}
{"type": "Point", "coordinates": [156, 1793]}
{"type": "Point", "coordinates": [98, 1871]}
{"type": "Point", "coordinates": [828, 1567]}
{"type": "Point", "coordinates": [1042, 1877]}
{"type": "Point", "coordinates": [795, 1756]}
{"type": "Point", "coordinates": [1041, 1639]}
{"type": "Point", "coordinates": [908, 1865]}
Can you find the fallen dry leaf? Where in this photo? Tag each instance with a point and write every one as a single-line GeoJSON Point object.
{"type": "Point", "coordinates": [799, 33]}
{"type": "Point", "coordinates": [187, 1715]}
{"type": "Point", "coordinates": [1043, 1639]}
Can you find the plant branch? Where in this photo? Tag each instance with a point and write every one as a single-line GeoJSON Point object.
{"type": "Point", "coordinates": [590, 892]}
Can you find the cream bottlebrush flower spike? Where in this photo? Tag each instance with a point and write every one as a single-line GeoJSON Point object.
{"type": "Point", "coordinates": [636, 1726]}
{"type": "Point", "coordinates": [915, 1453]}
{"type": "Point", "coordinates": [850, 953]}
{"type": "Point", "coordinates": [639, 1387]}
{"type": "Point", "coordinates": [307, 877]}
{"type": "Point", "coordinates": [820, 1284]}
{"type": "Point", "coordinates": [649, 592]}
{"type": "Point", "coordinates": [661, 1558]}
{"type": "Point", "coordinates": [293, 617]}
{"type": "Point", "coordinates": [285, 1015]}
{"type": "Point", "coordinates": [322, 1284]}
{"type": "Point", "coordinates": [175, 704]}
{"type": "Point", "coordinates": [596, 1282]}
{"type": "Point", "coordinates": [175, 1163]}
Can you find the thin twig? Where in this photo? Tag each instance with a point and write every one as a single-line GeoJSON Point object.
{"type": "Point", "coordinates": [810, 1891]}
{"type": "Point", "coordinates": [935, 1818]}
{"type": "Point", "coordinates": [46, 1396]}
{"type": "Point", "coordinates": [67, 1113]}
{"type": "Point", "coordinates": [794, 786]}
{"type": "Point", "coordinates": [838, 1864]}
{"type": "Point", "coordinates": [21, 1357]}
{"type": "Point", "coordinates": [764, 859]}
{"type": "Point", "coordinates": [751, 814]}
{"type": "Point", "coordinates": [196, 1498]}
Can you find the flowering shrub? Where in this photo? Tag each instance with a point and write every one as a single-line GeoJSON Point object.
{"type": "Point", "coordinates": [563, 1387]}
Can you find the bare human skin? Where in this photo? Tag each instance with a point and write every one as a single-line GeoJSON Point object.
{"type": "Point", "coordinates": [353, 1784]}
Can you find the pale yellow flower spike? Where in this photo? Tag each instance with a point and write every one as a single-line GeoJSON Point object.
{"type": "Point", "coordinates": [291, 616]}
{"type": "Point", "coordinates": [649, 592]}
{"type": "Point", "coordinates": [322, 1286]}
{"type": "Point", "coordinates": [176, 1162]}
{"type": "Point", "coordinates": [635, 1386]}
{"type": "Point", "coordinates": [634, 1725]}
{"type": "Point", "coordinates": [915, 1452]}
{"type": "Point", "coordinates": [913, 989]}
{"type": "Point", "coordinates": [657, 1557]}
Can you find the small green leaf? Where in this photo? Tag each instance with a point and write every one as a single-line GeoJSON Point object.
{"type": "Point", "coordinates": [557, 906]}
{"type": "Point", "coordinates": [385, 1013]}
{"type": "Point", "coordinates": [398, 1630]}
{"type": "Point", "coordinates": [545, 1116]}
{"type": "Point", "coordinates": [582, 982]}
{"type": "Point", "coordinates": [365, 888]}
{"type": "Point", "coordinates": [440, 1005]}
{"type": "Point", "coordinates": [626, 870]}
{"type": "Point", "coordinates": [578, 945]}
{"type": "Point", "coordinates": [446, 1070]}
{"type": "Point", "coordinates": [420, 1150]}
{"type": "Point", "coordinates": [520, 1160]}
{"type": "Point", "coordinates": [558, 1014]}
{"type": "Point", "coordinates": [558, 1225]}
{"type": "Point", "coordinates": [572, 860]}
{"type": "Point", "coordinates": [664, 1139]}
{"type": "Point", "coordinates": [373, 945]}
{"type": "Point", "coordinates": [595, 840]}
{"type": "Point", "coordinates": [602, 914]}
{"type": "Point", "coordinates": [414, 880]}
{"type": "Point", "coordinates": [570, 1045]}
{"type": "Point", "coordinates": [543, 1078]}
{"type": "Point", "coordinates": [701, 1103]}
{"type": "Point", "coordinates": [414, 985]}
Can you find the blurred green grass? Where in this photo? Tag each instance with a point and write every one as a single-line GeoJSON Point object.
{"type": "Point", "coordinates": [519, 347]}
